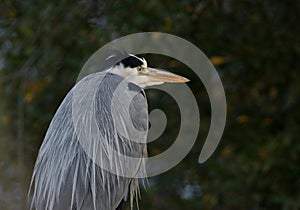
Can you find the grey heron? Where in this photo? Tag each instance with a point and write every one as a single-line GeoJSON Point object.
{"type": "Point", "coordinates": [65, 176]}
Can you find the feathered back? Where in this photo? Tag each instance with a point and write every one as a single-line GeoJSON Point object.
{"type": "Point", "coordinates": [87, 140]}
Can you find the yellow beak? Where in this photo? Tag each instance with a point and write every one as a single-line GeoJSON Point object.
{"type": "Point", "coordinates": [159, 75]}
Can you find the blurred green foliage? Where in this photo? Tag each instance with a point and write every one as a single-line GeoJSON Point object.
{"type": "Point", "coordinates": [255, 47]}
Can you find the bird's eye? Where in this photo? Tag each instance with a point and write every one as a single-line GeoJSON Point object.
{"type": "Point", "coordinates": [139, 68]}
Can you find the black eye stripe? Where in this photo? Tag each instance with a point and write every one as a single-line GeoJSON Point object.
{"type": "Point", "coordinates": [131, 62]}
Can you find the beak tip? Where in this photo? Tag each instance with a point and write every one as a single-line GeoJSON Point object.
{"type": "Point", "coordinates": [184, 80]}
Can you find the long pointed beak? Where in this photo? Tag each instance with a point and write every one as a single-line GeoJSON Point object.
{"type": "Point", "coordinates": [159, 75]}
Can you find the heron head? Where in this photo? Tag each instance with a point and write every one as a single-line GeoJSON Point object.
{"type": "Point", "coordinates": [136, 70]}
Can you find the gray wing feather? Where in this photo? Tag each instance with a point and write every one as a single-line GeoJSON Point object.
{"type": "Point", "coordinates": [64, 176]}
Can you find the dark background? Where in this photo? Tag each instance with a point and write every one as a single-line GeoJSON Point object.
{"type": "Point", "coordinates": [255, 48]}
